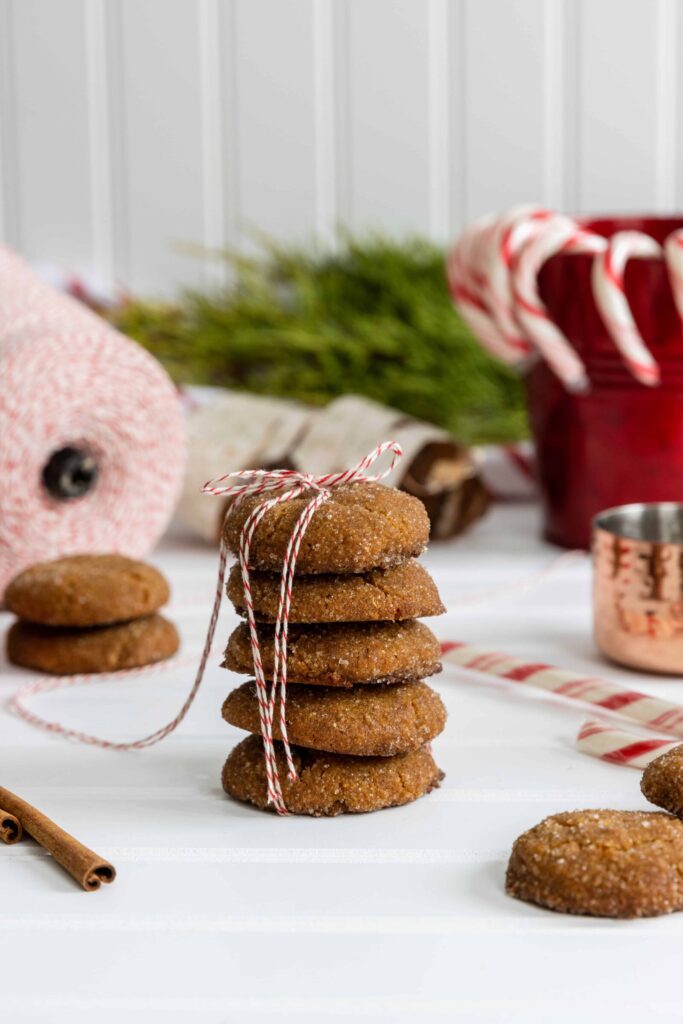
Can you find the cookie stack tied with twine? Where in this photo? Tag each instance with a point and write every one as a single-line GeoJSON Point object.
{"type": "Point", "coordinates": [89, 613]}
{"type": "Point", "coordinates": [331, 591]}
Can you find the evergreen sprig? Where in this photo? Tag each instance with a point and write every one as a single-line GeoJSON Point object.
{"type": "Point", "coordinates": [373, 318]}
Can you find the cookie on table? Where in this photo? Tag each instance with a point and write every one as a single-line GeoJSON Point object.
{"type": "Point", "coordinates": [331, 784]}
{"type": "Point", "coordinates": [344, 654]}
{"type": "Point", "coordinates": [63, 651]}
{"type": "Point", "coordinates": [376, 721]}
{"type": "Point", "coordinates": [662, 781]}
{"type": "Point", "coordinates": [621, 864]}
{"type": "Point", "coordinates": [86, 590]}
{"type": "Point", "coordinates": [405, 591]}
{"type": "Point", "coordinates": [361, 527]}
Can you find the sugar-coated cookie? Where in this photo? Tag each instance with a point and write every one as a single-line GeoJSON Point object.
{"type": "Point", "coordinates": [343, 654]}
{"type": "Point", "coordinates": [603, 863]}
{"type": "Point", "coordinates": [377, 721]}
{"type": "Point", "coordinates": [69, 651]}
{"type": "Point", "coordinates": [331, 784]}
{"type": "Point", "coordinates": [662, 781]}
{"type": "Point", "coordinates": [86, 590]}
{"type": "Point", "coordinates": [406, 591]}
{"type": "Point", "coordinates": [362, 526]}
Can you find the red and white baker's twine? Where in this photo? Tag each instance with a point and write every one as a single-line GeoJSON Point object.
{"type": "Point", "coordinates": [41, 685]}
{"type": "Point", "coordinates": [617, 746]}
{"type": "Point", "coordinates": [492, 274]}
{"type": "Point", "coordinates": [69, 379]}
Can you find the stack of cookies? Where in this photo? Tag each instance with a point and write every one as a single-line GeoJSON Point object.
{"type": "Point", "coordinates": [89, 613]}
{"type": "Point", "coordinates": [359, 717]}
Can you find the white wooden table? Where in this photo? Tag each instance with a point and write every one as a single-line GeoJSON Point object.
{"type": "Point", "coordinates": [222, 913]}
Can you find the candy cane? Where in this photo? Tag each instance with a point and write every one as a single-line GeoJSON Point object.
{"type": "Point", "coordinates": [561, 234]}
{"type": "Point", "coordinates": [464, 283]}
{"type": "Point", "coordinates": [673, 249]}
{"type": "Point", "coordinates": [512, 231]}
{"type": "Point", "coordinates": [492, 276]}
{"type": "Point", "coordinates": [619, 747]}
{"type": "Point", "coordinates": [651, 712]}
{"type": "Point", "coordinates": [607, 279]}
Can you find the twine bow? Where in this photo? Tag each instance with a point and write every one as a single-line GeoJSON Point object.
{"type": "Point", "coordinates": [288, 484]}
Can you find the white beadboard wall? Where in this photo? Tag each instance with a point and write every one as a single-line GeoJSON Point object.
{"type": "Point", "coordinates": [137, 136]}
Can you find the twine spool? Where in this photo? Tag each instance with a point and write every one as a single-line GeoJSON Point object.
{"type": "Point", "coordinates": [92, 437]}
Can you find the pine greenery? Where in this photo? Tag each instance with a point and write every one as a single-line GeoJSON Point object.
{"type": "Point", "coordinates": [373, 318]}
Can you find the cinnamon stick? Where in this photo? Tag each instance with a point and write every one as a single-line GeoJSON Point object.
{"type": "Point", "coordinates": [10, 828]}
{"type": "Point", "coordinates": [89, 870]}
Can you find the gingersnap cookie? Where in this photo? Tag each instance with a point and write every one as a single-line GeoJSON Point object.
{"type": "Point", "coordinates": [65, 651]}
{"type": "Point", "coordinates": [377, 721]}
{"type": "Point", "coordinates": [331, 784]}
{"type": "Point", "coordinates": [662, 781]}
{"type": "Point", "coordinates": [406, 591]}
{"type": "Point", "coordinates": [343, 654]}
{"type": "Point", "coordinates": [86, 590]}
{"type": "Point", "coordinates": [603, 863]}
{"type": "Point", "coordinates": [362, 526]}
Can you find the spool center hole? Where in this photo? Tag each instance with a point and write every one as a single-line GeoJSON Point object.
{"type": "Point", "coordinates": [70, 473]}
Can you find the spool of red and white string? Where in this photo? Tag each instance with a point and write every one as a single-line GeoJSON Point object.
{"type": "Point", "coordinates": [92, 436]}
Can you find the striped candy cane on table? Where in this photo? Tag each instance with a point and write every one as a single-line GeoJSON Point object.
{"type": "Point", "coordinates": [594, 738]}
{"type": "Point", "coordinates": [616, 746]}
{"type": "Point", "coordinates": [650, 712]}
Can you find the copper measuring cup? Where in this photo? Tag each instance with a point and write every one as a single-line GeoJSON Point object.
{"type": "Point", "coordinates": [638, 585]}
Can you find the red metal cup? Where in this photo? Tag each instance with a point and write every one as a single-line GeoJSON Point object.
{"type": "Point", "coordinates": [623, 441]}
